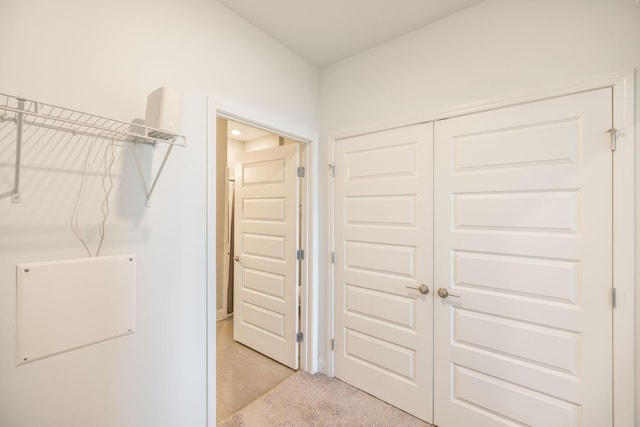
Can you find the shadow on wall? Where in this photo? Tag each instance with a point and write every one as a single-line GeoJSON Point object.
{"type": "Point", "coordinates": [71, 183]}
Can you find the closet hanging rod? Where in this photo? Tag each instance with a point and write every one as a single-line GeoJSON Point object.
{"type": "Point", "coordinates": [34, 113]}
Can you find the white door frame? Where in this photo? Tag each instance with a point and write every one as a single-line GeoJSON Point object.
{"type": "Point", "coordinates": [307, 347]}
{"type": "Point", "coordinates": [625, 198]}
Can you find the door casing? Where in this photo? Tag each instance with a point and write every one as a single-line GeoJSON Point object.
{"type": "Point", "coordinates": [308, 315]}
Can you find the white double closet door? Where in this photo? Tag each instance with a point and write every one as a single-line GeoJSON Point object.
{"type": "Point", "coordinates": [509, 212]}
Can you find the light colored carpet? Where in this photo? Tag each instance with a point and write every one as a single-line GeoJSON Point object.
{"type": "Point", "coordinates": [317, 400]}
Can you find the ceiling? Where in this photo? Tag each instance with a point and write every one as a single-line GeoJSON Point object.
{"type": "Point", "coordinates": [326, 31]}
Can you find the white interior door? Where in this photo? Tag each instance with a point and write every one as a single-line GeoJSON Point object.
{"type": "Point", "coordinates": [266, 244]}
{"type": "Point", "coordinates": [384, 252]}
{"type": "Point", "coordinates": [523, 239]}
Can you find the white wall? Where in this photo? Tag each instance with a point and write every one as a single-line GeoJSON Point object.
{"type": "Point", "coordinates": [104, 57]}
{"type": "Point", "coordinates": [234, 148]}
{"type": "Point", "coordinates": [499, 48]}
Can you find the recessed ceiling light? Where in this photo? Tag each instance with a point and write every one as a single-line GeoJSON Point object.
{"type": "Point", "coordinates": [235, 132]}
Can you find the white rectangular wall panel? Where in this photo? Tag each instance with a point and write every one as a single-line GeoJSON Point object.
{"type": "Point", "coordinates": [69, 304]}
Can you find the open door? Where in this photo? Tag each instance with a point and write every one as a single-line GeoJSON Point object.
{"type": "Point", "coordinates": [266, 249]}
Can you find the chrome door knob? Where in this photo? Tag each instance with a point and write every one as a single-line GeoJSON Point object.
{"type": "Point", "coordinates": [423, 289]}
{"type": "Point", "coordinates": [444, 293]}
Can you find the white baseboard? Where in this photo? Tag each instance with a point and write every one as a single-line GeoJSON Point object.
{"type": "Point", "coordinates": [221, 315]}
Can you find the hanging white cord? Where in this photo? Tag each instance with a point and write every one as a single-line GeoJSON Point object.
{"type": "Point", "coordinates": [107, 191]}
{"type": "Point", "coordinates": [75, 223]}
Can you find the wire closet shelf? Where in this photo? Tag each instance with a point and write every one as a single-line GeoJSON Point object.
{"type": "Point", "coordinates": [50, 116]}
{"type": "Point", "coordinates": [25, 112]}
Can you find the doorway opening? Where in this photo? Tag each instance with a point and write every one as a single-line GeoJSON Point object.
{"type": "Point", "coordinates": [261, 223]}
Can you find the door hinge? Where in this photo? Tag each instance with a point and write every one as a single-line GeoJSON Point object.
{"type": "Point", "coordinates": [301, 171]}
{"type": "Point", "coordinates": [614, 134]}
{"type": "Point", "coordinates": [333, 344]}
{"type": "Point", "coordinates": [332, 170]}
{"type": "Point", "coordinates": [333, 257]}
{"type": "Point", "coordinates": [613, 297]}
{"type": "Point", "coordinates": [299, 337]}
{"type": "Point", "coordinates": [300, 255]}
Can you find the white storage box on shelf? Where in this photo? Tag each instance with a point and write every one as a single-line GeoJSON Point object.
{"type": "Point", "coordinates": [163, 110]}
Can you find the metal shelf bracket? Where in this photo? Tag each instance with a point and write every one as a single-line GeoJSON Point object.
{"type": "Point", "coordinates": [148, 189]}
{"type": "Point", "coordinates": [15, 194]}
